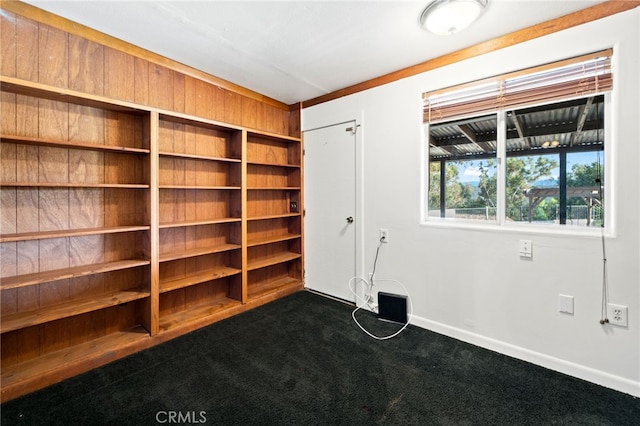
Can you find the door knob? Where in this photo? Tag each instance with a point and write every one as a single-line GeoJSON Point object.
{"type": "Point", "coordinates": [350, 219]}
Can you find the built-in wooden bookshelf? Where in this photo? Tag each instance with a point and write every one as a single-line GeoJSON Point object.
{"type": "Point", "coordinates": [274, 221]}
{"type": "Point", "coordinates": [124, 226]}
{"type": "Point", "coordinates": [200, 220]}
{"type": "Point", "coordinates": [75, 237]}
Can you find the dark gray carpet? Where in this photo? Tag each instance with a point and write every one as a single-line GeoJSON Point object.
{"type": "Point", "coordinates": [301, 361]}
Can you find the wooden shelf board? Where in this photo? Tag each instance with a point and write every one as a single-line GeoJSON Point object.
{"type": "Point", "coordinates": [199, 222]}
{"type": "Point", "coordinates": [72, 145]}
{"type": "Point", "coordinates": [194, 314]}
{"type": "Point", "coordinates": [75, 185]}
{"type": "Point", "coordinates": [68, 309]}
{"type": "Point", "coordinates": [251, 242]}
{"type": "Point", "coordinates": [271, 260]}
{"type": "Point", "coordinates": [271, 136]}
{"type": "Point", "coordinates": [183, 254]}
{"type": "Point", "coordinates": [59, 361]}
{"type": "Point", "coordinates": [199, 187]}
{"type": "Point", "coordinates": [263, 289]}
{"type": "Point", "coordinates": [273, 216]}
{"type": "Point", "coordinates": [266, 163]}
{"type": "Point", "coordinates": [274, 188]}
{"type": "Point", "coordinates": [198, 278]}
{"type": "Point", "coordinates": [199, 157]}
{"type": "Point", "coordinates": [61, 274]}
{"type": "Point", "coordinates": [181, 118]}
{"type": "Point", "coordinates": [41, 235]}
{"type": "Point", "coordinates": [30, 88]}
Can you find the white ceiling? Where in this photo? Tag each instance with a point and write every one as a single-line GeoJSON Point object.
{"type": "Point", "coordinates": [297, 50]}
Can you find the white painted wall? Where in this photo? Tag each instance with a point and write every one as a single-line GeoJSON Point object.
{"type": "Point", "coordinates": [471, 283]}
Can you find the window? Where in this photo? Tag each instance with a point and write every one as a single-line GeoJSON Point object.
{"type": "Point", "coordinates": [546, 124]}
{"type": "Point", "coordinates": [462, 169]}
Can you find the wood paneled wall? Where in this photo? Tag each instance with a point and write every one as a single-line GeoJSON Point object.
{"type": "Point", "coordinates": [38, 52]}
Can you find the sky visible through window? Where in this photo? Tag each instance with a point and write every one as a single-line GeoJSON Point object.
{"type": "Point", "coordinates": [469, 171]}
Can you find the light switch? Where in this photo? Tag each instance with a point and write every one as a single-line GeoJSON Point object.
{"type": "Point", "coordinates": [526, 248]}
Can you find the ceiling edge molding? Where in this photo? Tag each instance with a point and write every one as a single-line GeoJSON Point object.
{"type": "Point", "coordinates": [42, 16]}
{"type": "Point", "coordinates": [593, 13]}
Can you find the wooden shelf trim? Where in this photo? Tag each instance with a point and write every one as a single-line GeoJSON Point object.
{"type": "Point", "coordinates": [266, 163]}
{"type": "Point", "coordinates": [262, 290]}
{"type": "Point", "coordinates": [196, 313]}
{"type": "Point", "coordinates": [41, 235]}
{"type": "Point", "coordinates": [59, 360]}
{"type": "Point", "coordinates": [274, 188]}
{"type": "Point", "coordinates": [74, 185]}
{"type": "Point", "coordinates": [208, 188]}
{"type": "Point", "coordinates": [252, 242]}
{"type": "Point", "coordinates": [198, 278]}
{"type": "Point", "coordinates": [274, 259]}
{"type": "Point", "coordinates": [183, 254]}
{"type": "Point", "coordinates": [199, 222]}
{"type": "Point", "coordinates": [71, 145]}
{"type": "Point", "coordinates": [73, 272]}
{"type": "Point", "coordinates": [273, 216]}
{"type": "Point", "coordinates": [199, 157]}
{"type": "Point", "coordinates": [68, 309]}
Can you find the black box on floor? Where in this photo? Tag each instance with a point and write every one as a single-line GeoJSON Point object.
{"type": "Point", "coordinates": [392, 307]}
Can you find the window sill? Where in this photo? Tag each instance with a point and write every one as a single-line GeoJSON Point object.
{"type": "Point", "coordinates": [519, 228]}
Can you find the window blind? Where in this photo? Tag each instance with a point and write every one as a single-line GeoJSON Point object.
{"type": "Point", "coordinates": [575, 77]}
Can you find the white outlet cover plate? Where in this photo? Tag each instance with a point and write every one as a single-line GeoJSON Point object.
{"type": "Point", "coordinates": [618, 315]}
{"type": "Point", "coordinates": [565, 304]}
{"type": "Point", "coordinates": [525, 248]}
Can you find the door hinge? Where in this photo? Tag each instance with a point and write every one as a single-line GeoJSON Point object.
{"type": "Point", "coordinates": [304, 212]}
{"type": "Point", "coordinates": [352, 129]}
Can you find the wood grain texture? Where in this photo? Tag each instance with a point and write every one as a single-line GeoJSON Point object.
{"type": "Point", "coordinates": [27, 48]}
{"type": "Point", "coordinates": [119, 71]}
{"type": "Point", "coordinates": [160, 87]}
{"type": "Point", "coordinates": [86, 65]}
{"type": "Point", "coordinates": [179, 92]}
{"type": "Point", "coordinates": [73, 231]}
{"type": "Point", "coordinates": [141, 81]}
{"type": "Point", "coordinates": [63, 310]}
{"type": "Point", "coordinates": [8, 44]}
{"type": "Point", "coordinates": [42, 16]}
{"type": "Point", "coordinates": [53, 56]}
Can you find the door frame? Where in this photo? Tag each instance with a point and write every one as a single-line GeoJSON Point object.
{"type": "Point", "coordinates": [359, 127]}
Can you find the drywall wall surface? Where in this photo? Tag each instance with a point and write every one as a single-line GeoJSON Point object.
{"type": "Point", "coordinates": [471, 283]}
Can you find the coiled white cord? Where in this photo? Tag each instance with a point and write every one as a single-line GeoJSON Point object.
{"type": "Point", "coordinates": [367, 302]}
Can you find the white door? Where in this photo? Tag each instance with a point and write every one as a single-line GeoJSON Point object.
{"type": "Point", "coordinates": [330, 207]}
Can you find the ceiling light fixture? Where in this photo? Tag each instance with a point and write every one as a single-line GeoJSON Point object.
{"type": "Point", "coordinates": [444, 17]}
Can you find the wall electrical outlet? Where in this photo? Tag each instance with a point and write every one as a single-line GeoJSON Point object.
{"type": "Point", "coordinates": [384, 235]}
{"type": "Point", "coordinates": [617, 315]}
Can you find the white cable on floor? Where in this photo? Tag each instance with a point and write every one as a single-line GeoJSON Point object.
{"type": "Point", "coordinates": [367, 301]}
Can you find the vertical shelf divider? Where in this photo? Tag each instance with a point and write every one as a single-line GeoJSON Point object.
{"type": "Point", "coordinates": [301, 206]}
{"type": "Point", "coordinates": [243, 203]}
{"type": "Point", "coordinates": [154, 217]}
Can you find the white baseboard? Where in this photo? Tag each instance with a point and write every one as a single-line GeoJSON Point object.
{"type": "Point", "coordinates": [572, 369]}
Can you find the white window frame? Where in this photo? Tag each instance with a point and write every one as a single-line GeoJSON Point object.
{"type": "Point", "coordinates": [501, 223]}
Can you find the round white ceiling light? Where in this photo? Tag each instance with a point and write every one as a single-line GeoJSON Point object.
{"type": "Point", "coordinates": [444, 17]}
